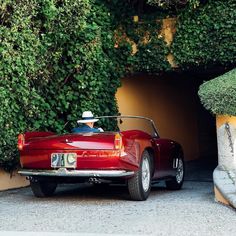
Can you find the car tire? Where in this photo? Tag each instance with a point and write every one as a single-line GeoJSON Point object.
{"type": "Point", "coordinates": [43, 188]}
{"type": "Point", "coordinates": [176, 182]}
{"type": "Point", "coordinates": [139, 185]}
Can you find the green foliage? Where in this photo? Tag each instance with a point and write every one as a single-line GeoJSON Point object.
{"type": "Point", "coordinates": [145, 35]}
{"type": "Point", "coordinates": [174, 3]}
{"type": "Point", "coordinates": [151, 55]}
{"type": "Point", "coordinates": [57, 59]}
{"type": "Point", "coordinates": [219, 95]}
{"type": "Point", "coordinates": [206, 36]}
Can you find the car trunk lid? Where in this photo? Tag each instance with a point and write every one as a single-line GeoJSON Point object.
{"type": "Point", "coordinates": [98, 141]}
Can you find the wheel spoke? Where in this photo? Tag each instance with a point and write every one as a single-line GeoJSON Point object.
{"type": "Point", "coordinates": [145, 174]}
{"type": "Point", "coordinates": [180, 171]}
{"type": "Point", "coordinates": [139, 185]}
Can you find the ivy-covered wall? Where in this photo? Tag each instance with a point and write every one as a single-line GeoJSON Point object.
{"type": "Point", "coordinates": [150, 52]}
{"type": "Point", "coordinates": [205, 36]}
{"type": "Point", "coordinates": [61, 57]}
{"type": "Point", "coordinates": [57, 59]}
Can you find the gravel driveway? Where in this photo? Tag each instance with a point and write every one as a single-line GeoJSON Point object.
{"type": "Point", "coordinates": [85, 209]}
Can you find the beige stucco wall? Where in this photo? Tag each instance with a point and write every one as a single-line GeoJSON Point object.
{"type": "Point", "coordinates": [13, 180]}
{"type": "Point", "coordinates": [169, 102]}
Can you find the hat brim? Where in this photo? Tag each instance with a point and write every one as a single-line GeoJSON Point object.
{"type": "Point", "coordinates": [87, 121]}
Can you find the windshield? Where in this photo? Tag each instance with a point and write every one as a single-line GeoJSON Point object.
{"type": "Point", "coordinates": [124, 123]}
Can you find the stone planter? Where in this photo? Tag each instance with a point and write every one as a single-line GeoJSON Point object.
{"type": "Point", "coordinates": [11, 181]}
{"type": "Point", "coordinates": [224, 175]}
{"type": "Point", "coordinates": [226, 141]}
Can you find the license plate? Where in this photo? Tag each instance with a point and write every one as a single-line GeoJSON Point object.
{"type": "Point", "coordinates": [67, 160]}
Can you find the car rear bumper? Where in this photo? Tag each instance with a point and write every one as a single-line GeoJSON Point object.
{"type": "Point", "coordinates": [63, 172]}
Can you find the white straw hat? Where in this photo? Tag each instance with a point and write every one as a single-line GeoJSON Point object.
{"type": "Point", "coordinates": [87, 117]}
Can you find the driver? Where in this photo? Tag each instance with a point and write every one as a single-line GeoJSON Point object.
{"type": "Point", "coordinates": [87, 124]}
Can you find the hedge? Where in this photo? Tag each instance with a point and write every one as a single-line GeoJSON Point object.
{"type": "Point", "coordinates": [219, 95]}
{"type": "Point", "coordinates": [205, 36]}
{"type": "Point", "coordinates": [57, 59]}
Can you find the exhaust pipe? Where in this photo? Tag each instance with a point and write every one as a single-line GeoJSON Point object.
{"type": "Point", "coordinates": [94, 180]}
{"type": "Point", "coordinates": [31, 179]}
{"type": "Point", "coordinates": [98, 181]}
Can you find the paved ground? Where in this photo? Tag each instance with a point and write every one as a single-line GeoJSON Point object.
{"type": "Point", "coordinates": [88, 211]}
{"type": "Point", "coordinates": [83, 209]}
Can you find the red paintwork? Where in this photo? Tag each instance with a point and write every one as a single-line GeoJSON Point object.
{"type": "Point", "coordinates": [71, 141]}
{"type": "Point", "coordinates": [96, 151]}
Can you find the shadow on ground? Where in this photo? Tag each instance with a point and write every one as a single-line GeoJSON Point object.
{"type": "Point", "coordinates": [200, 170]}
{"type": "Point", "coordinates": [196, 171]}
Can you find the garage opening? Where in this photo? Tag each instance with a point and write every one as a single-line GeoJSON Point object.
{"type": "Point", "coordinates": [171, 100]}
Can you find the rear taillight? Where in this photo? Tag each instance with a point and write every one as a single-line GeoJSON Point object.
{"type": "Point", "coordinates": [118, 141]}
{"type": "Point", "coordinates": [21, 141]}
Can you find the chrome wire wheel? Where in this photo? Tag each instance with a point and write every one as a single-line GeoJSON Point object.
{"type": "Point", "coordinates": [140, 184]}
{"type": "Point", "coordinates": [180, 171]}
{"type": "Point", "coordinates": [176, 182]}
{"type": "Point", "coordinates": [145, 174]}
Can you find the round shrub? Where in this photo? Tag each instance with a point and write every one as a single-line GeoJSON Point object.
{"type": "Point", "coordinates": [219, 95]}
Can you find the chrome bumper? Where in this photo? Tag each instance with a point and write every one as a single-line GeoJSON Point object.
{"type": "Point", "coordinates": [63, 172]}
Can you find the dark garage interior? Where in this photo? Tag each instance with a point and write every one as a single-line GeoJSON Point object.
{"type": "Point", "coordinates": [172, 101]}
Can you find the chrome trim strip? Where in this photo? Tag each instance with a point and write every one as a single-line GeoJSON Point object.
{"type": "Point", "coordinates": [63, 172]}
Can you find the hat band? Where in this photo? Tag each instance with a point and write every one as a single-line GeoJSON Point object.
{"type": "Point", "coordinates": [88, 118]}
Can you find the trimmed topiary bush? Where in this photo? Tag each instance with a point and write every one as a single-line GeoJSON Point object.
{"type": "Point", "coordinates": [219, 95]}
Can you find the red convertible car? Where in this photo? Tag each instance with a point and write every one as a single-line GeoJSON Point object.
{"type": "Point", "coordinates": [135, 154]}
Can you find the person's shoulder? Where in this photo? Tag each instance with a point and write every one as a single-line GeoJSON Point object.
{"type": "Point", "coordinates": [95, 130]}
{"type": "Point", "coordinates": [76, 129]}
{"type": "Point", "coordinates": [79, 129]}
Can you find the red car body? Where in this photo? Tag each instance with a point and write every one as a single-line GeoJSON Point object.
{"type": "Point", "coordinates": [99, 157]}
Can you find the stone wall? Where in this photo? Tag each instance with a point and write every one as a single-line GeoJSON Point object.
{"type": "Point", "coordinates": [11, 181]}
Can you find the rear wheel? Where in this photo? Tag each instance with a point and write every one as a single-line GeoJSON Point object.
{"type": "Point", "coordinates": [43, 188]}
{"type": "Point", "coordinates": [176, 182]}
{"type": "Point", "coordinates": [140, 184]}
